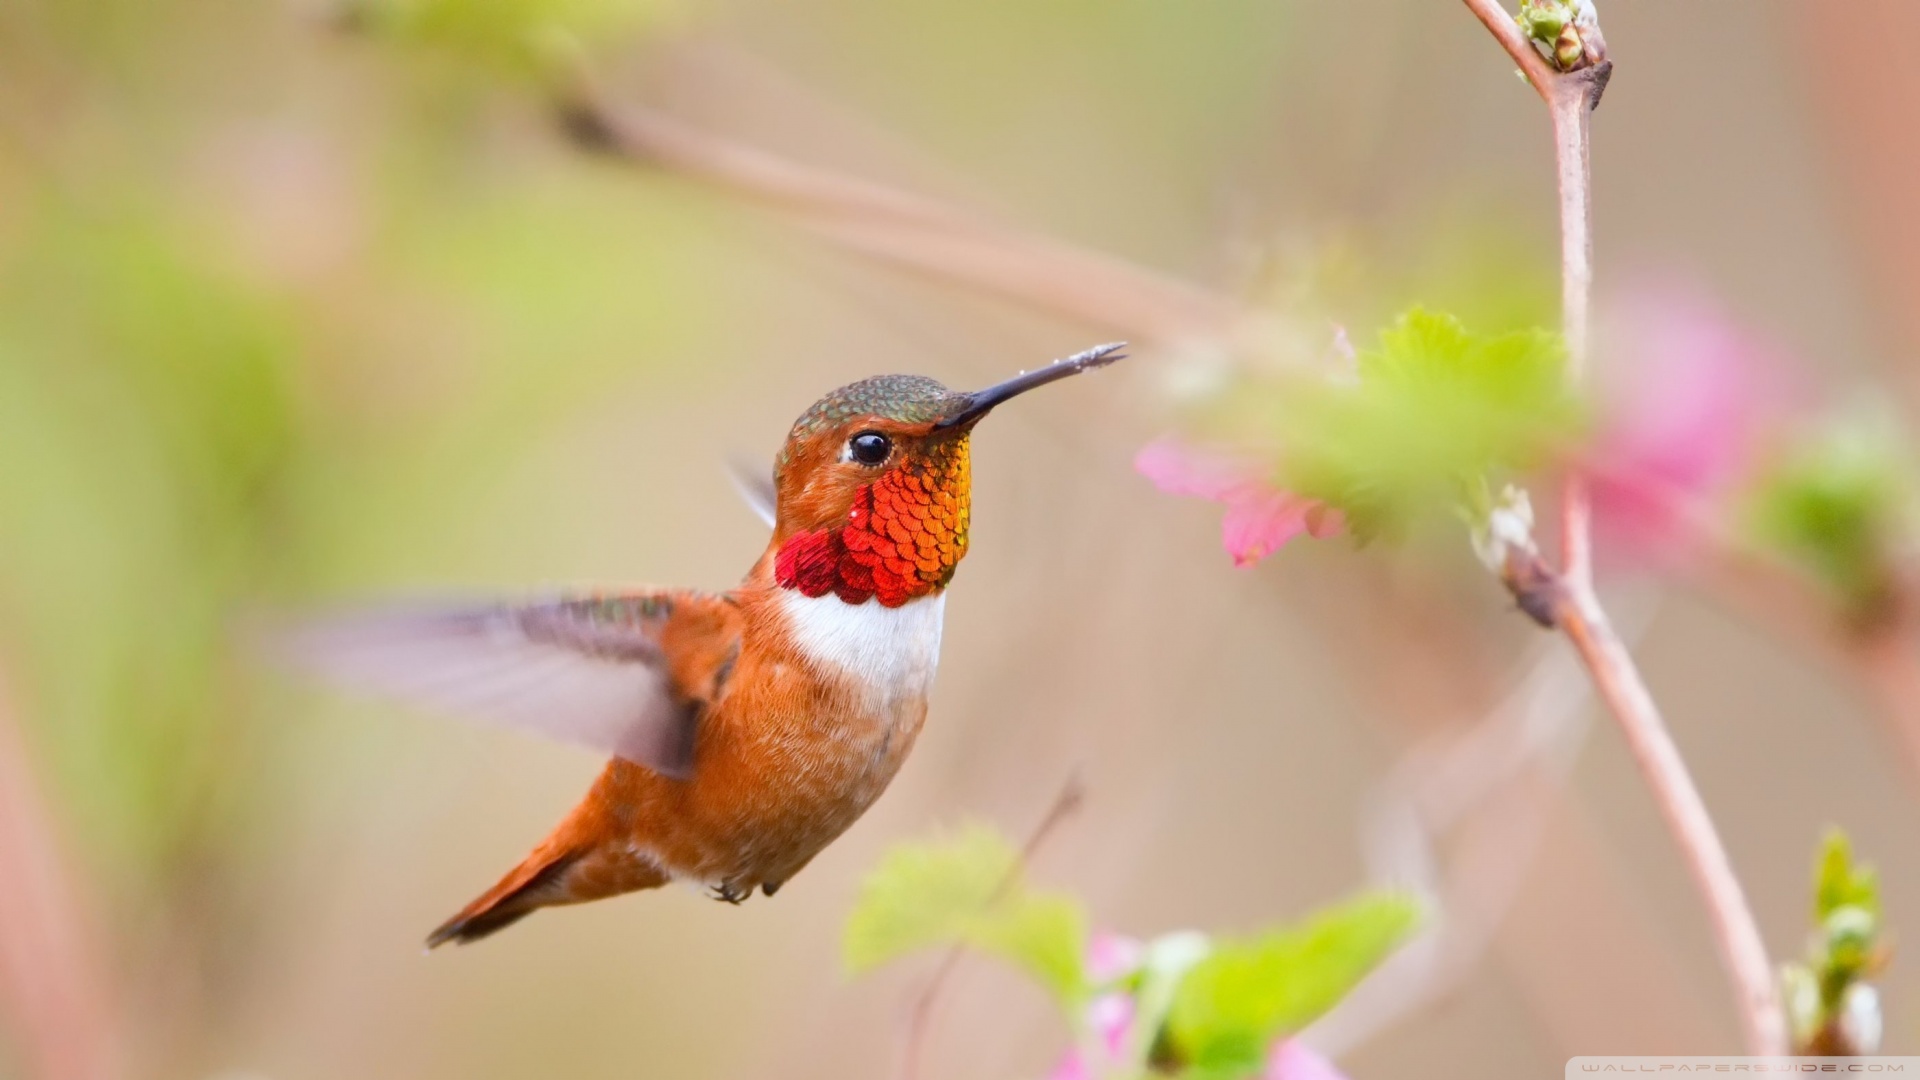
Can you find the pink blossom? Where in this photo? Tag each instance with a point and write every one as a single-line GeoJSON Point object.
{"type": "Point", "coordinates": [1259, 516]}
{"type": "Point", "coordinates": [1290, 1059]}
{"type": "Point", "coordinates": [1072, 1067]}
{"type": "Point", "coordinates": [1111, 957]}
{"type": "Point", "coordinates": [1111, 1018]}
{"type": "Point", "coordinates": [1688, 400]}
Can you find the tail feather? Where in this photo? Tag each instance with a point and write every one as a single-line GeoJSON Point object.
{"type": "Point", "coordinates": [527, 887]}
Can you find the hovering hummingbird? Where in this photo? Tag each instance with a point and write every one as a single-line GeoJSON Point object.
{"type": "Point", "coordinates": [749, 728]}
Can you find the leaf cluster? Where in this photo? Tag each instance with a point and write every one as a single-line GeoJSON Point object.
{"type": "Point", "coordinates": [507, 37]}
{"type": "Point", "coordinates": [969, 891]}
{"type": "Point", "coordinates": [1205, 1010]}
{"type": "Point", "coordinates": [1246, 994]}
{"type": "Point", "coordinates": [1840, 505]}
{"type": "Point", "coordinates": [1434, 412]}
{"type": "Point", "coordinates": [1828, 1001]}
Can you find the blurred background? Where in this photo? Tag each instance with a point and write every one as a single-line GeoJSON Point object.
{"type": "Point", "coordinates": [303, 305]}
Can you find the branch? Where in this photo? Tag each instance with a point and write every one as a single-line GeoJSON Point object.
{"type": "Point", "coordinates": [51, 983]}
{"type": "Point", "coordinates": [908, 230]}
{"type": "Point", "coordinates": [1072, 794]}
{"type": "Point", "coordinates": [1524, 747]}
{"type": "Point", "coordinates": [1568, 595]}
{"type": "Point", "coordinates": [1507, 32]}
{"type": "Point", "coordinates": [1619, 683]}
{"type": "Point", "coordinates": [1571, 101]}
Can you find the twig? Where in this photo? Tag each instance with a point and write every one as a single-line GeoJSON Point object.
{"type": "Point", "coordinates": [1571, 102]}
{"type": "Point", "coordinates": [1072, 793]}
{"type": "Point", "coordinates": [51, 986]}
{"type": "Point", "coordinates": [1619, 683]}
{"type": "Point", "coordinates": [908, 230]}
{"type": "Point", "coordinates": [1507, 32]}
{"type": "Point", "coordinates": [1526, 743]}
{"type": "Point", "coordinates": [1571, 97]}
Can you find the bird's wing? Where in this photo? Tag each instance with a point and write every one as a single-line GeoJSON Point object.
{"type": "Point", "coordinates": [625, 673]}
{"type": "Point", "coordinates": [755, 485]}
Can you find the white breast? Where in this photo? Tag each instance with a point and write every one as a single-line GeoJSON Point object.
{"type": "Point", "coordinates": [891, 651]}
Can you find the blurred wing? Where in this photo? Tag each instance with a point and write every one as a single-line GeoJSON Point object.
{"type": "Point", "coordinates": [755, 485]}
{"type": "Point", "coordinates": [589, 671]}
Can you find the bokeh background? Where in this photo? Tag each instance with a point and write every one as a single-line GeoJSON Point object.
{"type": "Point", "coordinates": [300, 306]}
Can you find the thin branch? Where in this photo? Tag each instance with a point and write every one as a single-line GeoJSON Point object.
{"type": "Point", "coordinates": [1507, 32]}
{"type": "Point", "coordinates": [1619, 683]}
{"type": "Point", "coordinates": [919, 1020]}
{"type": "Point", "coordinates": [52, 987]}
{"type": "Point", "coordinates": [1524, 747]}
{"type": "Point", "coordinates": [908, 230]}
{"type": "Point", "coordinates": [1571, 102]}
{"type": "Point", "coordinates": [1569, 595]}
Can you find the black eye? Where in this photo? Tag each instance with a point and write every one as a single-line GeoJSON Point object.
{"type": "Point", "coordinates": [870, 447]}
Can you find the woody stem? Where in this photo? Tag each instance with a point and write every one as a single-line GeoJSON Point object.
{"type": "Point", "coordinates": [1570, 97]}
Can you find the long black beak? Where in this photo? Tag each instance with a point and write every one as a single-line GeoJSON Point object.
{"type": "Point", "coordinates": [981, 402]}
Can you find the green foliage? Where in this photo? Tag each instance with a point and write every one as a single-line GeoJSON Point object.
{"type": "Point", "coordinates": [1555, 24]}
{"type": "Point", "coordinates": [1243, 995]}
{"type": "Point", "coordinates": [1829, 1005]}
{"type": "Point", "coordinates": [149, 419]}
{"type": "Point", "coordinates": [1839, 882]}
{"type": "Point", "coordinates": [1543, 20]}
{"type": "Point", "coordinates": [1846, 907]}
{"type": "Point", "coordinates": [1434, 412]}
{"type": "Point", "coordinates": [1840, 505]}
{"type": "Point", "coordinates": [968, 891]}
{"type": "Point", "coordinates": [509, 36]}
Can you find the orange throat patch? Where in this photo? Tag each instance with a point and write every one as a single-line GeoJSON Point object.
{"type": "Point", "coordinates": [904, 536]}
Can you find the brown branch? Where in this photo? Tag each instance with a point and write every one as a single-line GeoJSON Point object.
{"type": "Point", "coordinates": [1618, 681]}
{"type": "Point", "coordinates": [920, 1018]}
{"type": "Point", "coordinates": [1571, 101]}
{"type": "Point", "coordinates": [52, 988]}
{"type": "Point", "coordinates": [1881, 657]}
{"type": "Point", "coordinates": [1568, 594]}
{"type": "Point", "coordinates": [908, 230]}
{"type": "Point", "coordinates": [1507, 32]}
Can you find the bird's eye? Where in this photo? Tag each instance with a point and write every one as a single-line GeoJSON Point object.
{"type": "Point", "coordinates": [869, 447]}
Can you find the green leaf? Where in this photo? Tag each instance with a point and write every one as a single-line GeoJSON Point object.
{"type": "Point", "coordinates": [968, 891]}
{"type": "Point", "coordinates": [1246, 994]}
{"type": "Point", "coordinates": [1435, 411]}
{"type": "Point", "coordinates": [1840, 504]}
{"type": "Point", "coordinates": [509, 36]}
{"type": "Point", "coordinates": [1839, 882]}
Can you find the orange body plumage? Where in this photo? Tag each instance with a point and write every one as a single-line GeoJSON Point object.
{"type": "Point", "coordinates": [751, 727]}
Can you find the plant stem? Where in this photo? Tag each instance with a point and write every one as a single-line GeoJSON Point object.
{"type": "Point", "coordinates": [1570, 98]}
{"type": "Point", "coordinates": [1619, 684]}
{"type": "Point", "coordinates": [1072, 793]}
{"type": "Point", "coordinates": [909, 230]}
{"type": "Point", "coordinates": [1571, 103]}
{"type": "Point", "coordinates": [54, 993]}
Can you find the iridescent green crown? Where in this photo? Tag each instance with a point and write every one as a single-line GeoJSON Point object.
{"type": "Point", "coordinates": [910, 399]}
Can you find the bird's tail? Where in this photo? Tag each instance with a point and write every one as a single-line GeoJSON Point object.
{"type": "Point", "coordinates": [538, 881]}
{"type": "Point", "coordinates": [572, 866]}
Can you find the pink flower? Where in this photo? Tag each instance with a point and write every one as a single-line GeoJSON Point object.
{"type": "Point", "coordinates": [1072, 1067]}
{"type": "Point", "coordinates": [1111, 957]}
{"type": "Point", "coordinates": [1259, 517]}
{"type": "Point", "coordinates": [1109, 1020]}
{"type": "Point", "coordinates": [1688, 401]}
{"type": "Point", "coordinates": [1290, 1059]}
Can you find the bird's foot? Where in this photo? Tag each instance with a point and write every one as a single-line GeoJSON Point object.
{"type": "Point", "coordinates": [731, 892]}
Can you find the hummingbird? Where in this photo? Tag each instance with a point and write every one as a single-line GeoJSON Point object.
{"type": "Point", "coordinates": [748, 728]}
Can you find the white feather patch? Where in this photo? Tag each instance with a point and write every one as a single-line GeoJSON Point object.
{"type": "Point", "coordinates": [891, 651]}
